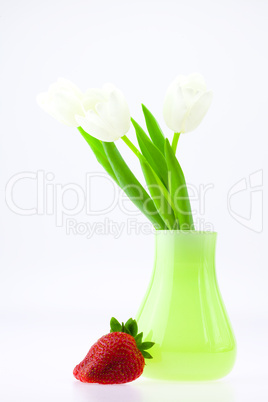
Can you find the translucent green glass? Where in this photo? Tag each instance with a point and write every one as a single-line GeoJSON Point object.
{"type": "Point", "coordinates": [183, 312]}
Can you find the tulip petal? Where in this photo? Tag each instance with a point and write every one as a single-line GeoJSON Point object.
{"type": "Point", "coordinates": [119, 112]}
{"type": "Point", "coordinates": [92, 97]}
{"type": "Point", "coordinates": [189, 97]}
{"type": "Point", "coordinates": [180, 79]}
{"type": "Point", "coordinates": [108, 88]}
{"type": "Point", "coordinates": [111, 121]}
{"type": "Point", "coordinates": [43, 101]}
{"type": "Point", "coordinates": [196, 82]}
{"type": "Point", "coordinates": [174, 107]}
{"type": "Point", "coordinates": [197, 112]}
{"type": "Point", "coordinates": [57, 107]}
{"type": "Point", "coordinates": [65, 106]}
{"type": "Point", "coordinates": [108, 109]}
{"type": "Point", "coordinates": [94, 126]}
{"type": "Point", "coordinates": [66, 84]}
{"type": "Point", "coordinates": [62, 101]}
{"type": "Point", "coordinates": [115, 113]}
{"type": "Point", "coordinates": [102, 111]}
{"type": "Point", "coordinates": [186, 102]}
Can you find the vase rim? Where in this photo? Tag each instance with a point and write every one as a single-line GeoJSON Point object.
{"type": "Point", "coordinates": [186, 232]}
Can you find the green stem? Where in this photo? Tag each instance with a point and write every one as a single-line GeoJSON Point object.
{"type": "Point", "coordinates": [175, 142]}
{"type": "Point", "coordinates": [131, 146]}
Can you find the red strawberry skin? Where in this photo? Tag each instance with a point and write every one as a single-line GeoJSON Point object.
{"type": "Point", "coordinates": [113, 359]}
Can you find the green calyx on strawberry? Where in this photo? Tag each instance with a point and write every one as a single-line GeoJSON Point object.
{"type": "Point", "coordinates": [117, 357]}
{"type": "Point", "coordinates": [131, 328]}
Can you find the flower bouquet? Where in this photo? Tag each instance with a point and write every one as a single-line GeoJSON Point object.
{"type": "Point", "coordinates": [182, 317]}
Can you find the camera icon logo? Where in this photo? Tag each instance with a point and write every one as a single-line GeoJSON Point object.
{"type": "Point", "coordinates": [250, 191]}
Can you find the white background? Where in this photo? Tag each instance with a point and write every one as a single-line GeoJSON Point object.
{"type": "Point", "coordinates": [58, 291]}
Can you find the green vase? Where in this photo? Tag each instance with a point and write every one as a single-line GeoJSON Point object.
{"type": "Point", "coordinates": [183, 312]}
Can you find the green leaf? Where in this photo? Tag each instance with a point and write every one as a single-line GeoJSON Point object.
{"type": "Point", "coordinates": [154, 157]}
{"type": "Point", "coordinates": [97, 148]}
{"type": "Point", "coordinates": [146, 345]}
{"type": "Point", "coordinates": [154, 129]}
{"type": "Point", "coordinates": [131, 186]}
{"type": "Point", "coordinates": [115, 325]}
{"type": "Point", "coordinates": [138, 338]}
{"type": "Point", "coordinates": [92, 141]}
{"type": "Point", "coordinates": [159, 194]}
{"type": "Point", "coordinates": [178, 190]}
{"type": "Point", "coordinates": [146, 355]}
{"type": "Point", "coordinates": [132, 326]}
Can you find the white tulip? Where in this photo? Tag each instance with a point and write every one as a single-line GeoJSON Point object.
{"type": "Point", "coordinates": [186, 103]}
{"type": "Point", "coordinates": [63, 101]}
{"type": "Point", "coordinates": [107, 115]}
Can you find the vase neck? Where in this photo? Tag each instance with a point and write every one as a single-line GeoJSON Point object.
{"type": "Point", "coordinates": [185, 250]}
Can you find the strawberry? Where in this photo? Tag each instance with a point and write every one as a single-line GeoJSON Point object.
{"type": "Point", "coordinates": [117, 357]}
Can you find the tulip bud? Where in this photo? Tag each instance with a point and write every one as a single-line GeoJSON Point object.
{"type": "Point", "coordinates": [186, 103]}
{"type": "Point", "coordinates": [107, 115]}
{"type": "Point", "coordinates": [63, 101]}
